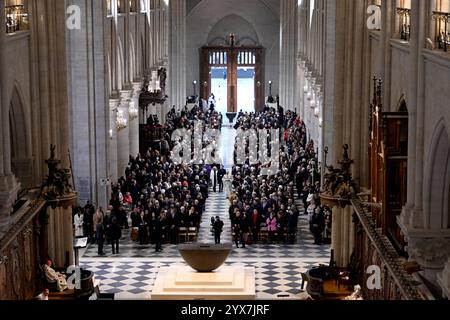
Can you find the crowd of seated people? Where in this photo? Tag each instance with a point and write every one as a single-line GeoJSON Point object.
{"type": "Point", "coordinates": [262, 205]}
{"type": "Point", "coordinates": [161, 196]}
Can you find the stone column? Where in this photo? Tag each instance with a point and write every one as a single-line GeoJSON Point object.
{"type": "Point", "coordinates": [342, 237]}
{"type": "Point", "coordinates": [443, 280]}
{"type": "Point", "coordinates": [114, 54]}
{"type": "Point", "coordinates": [9, 187]}
{"type": "Point", "coordinates": [123, 135]}
{"type": "Point", "coordinates": [418, 19]}
{"type": "Point", "coordinates": [177, 52]}
{"type": "Point", "coordinates": [329, 103]}
{"type": "Point", "coordinates": [161, 13]}
{"type": "Point", "coordinates": [406, 215]}
{"type": "Point", "coordinates": [113, 162]}
{"type": "Point", "coordinates": [126, 48]}
{"type": "Point", "coordinates": [134, 123]}
{"type": "Point", "coordinates": [155, 32]}
{"type": "Point", "coordinates": [60, 235]}
{"type": "Point", "coordinates": [89, 103]}
{"type": "Point", "coordinates": [288, 52]}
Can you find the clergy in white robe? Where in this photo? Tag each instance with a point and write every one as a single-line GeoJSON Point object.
{"type": "Point", "coordinates": [227, 184]}
{"type": "Point", "coordinates": [78, 224]}
{"type": "Point", "coordinates": [52, 276]}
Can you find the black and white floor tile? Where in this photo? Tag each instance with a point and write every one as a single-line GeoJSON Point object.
{"type": "Point", "coordinates": [134, 279]}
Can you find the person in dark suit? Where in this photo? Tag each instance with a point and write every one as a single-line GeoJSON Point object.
{"type": "Point", "coordinates": [115, 233]}
{"type": "Point", "coordinates": [318, 225]}
{"type": "Point", "coordinates": [220, 174]}
{"type": "Point", "coordinates": [88, 221]}
{"type": "Point", "coordinates": [218, 229]}
{"type": "Point", "coordinates": [158, 233]}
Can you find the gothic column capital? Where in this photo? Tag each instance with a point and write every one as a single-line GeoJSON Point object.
{"type": "Point", "coordinates": [114, 104]}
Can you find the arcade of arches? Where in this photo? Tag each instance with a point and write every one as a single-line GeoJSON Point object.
{"type": "Point", "coordinates": [358, 175]}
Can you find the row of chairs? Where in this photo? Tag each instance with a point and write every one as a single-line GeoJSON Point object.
{"type": "Point", "coordinates": [186, 235]}
{"type": "Point", "coordinates": [263, 235]}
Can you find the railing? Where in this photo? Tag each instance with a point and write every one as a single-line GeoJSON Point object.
{"type": "Point", "coordinates": [442, 33]}
{"type": "Point", "coordinates": [398, 284]}
{"type": "Point", "coordinates": [16, 18]}
{"type": "Point", "coordinates": [405, 23]}
{"type": "Point", "coordinates": [18, 225]}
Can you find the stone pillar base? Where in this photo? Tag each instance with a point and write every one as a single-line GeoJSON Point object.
{"type": "Point", "coordinates": [443, 280]}
{"type": "Point", "coordinates": [431, 250]}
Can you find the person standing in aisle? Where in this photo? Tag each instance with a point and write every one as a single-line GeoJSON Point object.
{"type": "Point", "coordinates": [218, 229]}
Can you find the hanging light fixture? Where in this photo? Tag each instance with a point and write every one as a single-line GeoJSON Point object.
{"type": "Point", "coordinates": [133, 112]}
{"type": "Point", "coordinates": [121, 121]}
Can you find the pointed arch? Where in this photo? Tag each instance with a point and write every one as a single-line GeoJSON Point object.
{"type": "Point", "coordinates": [21, 159]}
{"type": "Point", "coordinates": [132, 62]}
{"type": "Point", "coordinates": [402, 106]}
{"type": "Point", "coordinates": [120, 65]}
{"type": "Point", "coordinates": [18, 124]}
{"type": "Point", "coordinates": [438, 180]}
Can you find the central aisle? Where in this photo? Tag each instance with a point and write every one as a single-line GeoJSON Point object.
{"type": "Point", "coordinates": [131, 274]}
{"type": "Point", "coordinates": [217, 203]}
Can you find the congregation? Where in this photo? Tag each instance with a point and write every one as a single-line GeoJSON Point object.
{"type": "Point", "coordinates": [157, 197]}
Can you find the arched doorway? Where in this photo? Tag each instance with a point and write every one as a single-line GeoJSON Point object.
{"type": "Point", "coordinates": [235, 73]}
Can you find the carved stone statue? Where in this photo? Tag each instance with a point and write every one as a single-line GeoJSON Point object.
{"type": "Point", "coordinates": [339, 182]}
{"type": "Point", "coordinates": [58, 180]}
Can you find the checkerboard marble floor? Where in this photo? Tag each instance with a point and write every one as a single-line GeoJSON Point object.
{"type": "Point", "coordinates": [134, 278]}
{"type": "Point", "coordinates": [131, 274]}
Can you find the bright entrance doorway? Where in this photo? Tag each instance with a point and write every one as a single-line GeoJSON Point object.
{"type": "Point", "coordinates": [246, 89]}
{"type": "Point", "coordinates": [239, 70]}
{"type": "Point", "coordinates": [219, 87]}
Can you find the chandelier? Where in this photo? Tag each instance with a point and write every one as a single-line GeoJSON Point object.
{"type": "Point", "coordinates": [121, 121]}
{"type": "Point", "coordinates": [133, 112]}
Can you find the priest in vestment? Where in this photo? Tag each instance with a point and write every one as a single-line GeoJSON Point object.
{"type": "Point", "coordinates": [52, 276]}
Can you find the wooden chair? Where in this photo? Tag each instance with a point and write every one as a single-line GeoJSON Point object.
{"type": "Point", "coordinates": [264, 234]}
{"type": "Point", "coordinates": [192, 234]}
{"type": "Point", "coordinates": [182, 234]}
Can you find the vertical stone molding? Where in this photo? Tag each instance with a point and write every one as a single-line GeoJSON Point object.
{"type": "Point", "coordinates": [113, 160]}
{"type": "Point", "coordinates": [288, 53]}
{"type": "Point", "coordinates": [134, 120]}
{"type": "Point", "coordinates": [60, 235]}
{"type": "Point", "coordinates": [177, 53]}
{"type": "Point", "coordinates": [123, 134]}
{"type": "Point", "coordinates": [443, 280]}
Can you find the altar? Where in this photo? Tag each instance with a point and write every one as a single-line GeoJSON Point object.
{"type": "Point", "coordinates": [181, 282]}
